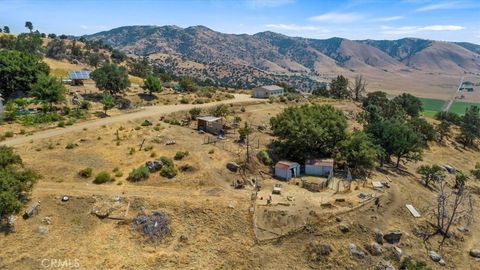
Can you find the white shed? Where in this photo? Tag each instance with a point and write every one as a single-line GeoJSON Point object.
{"type": "Point", "coordinates": [318, 167]}
{"type": "Point", "coordinates": [267, 91]}
{"type": "Point", "coordinates": [286, 170]}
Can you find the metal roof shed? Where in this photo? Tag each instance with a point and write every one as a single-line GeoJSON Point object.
{"type": "Point", "coordinates": [287, 170]}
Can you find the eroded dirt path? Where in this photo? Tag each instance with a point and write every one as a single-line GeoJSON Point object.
{"type": "Point", "coordinates": [146, 112]}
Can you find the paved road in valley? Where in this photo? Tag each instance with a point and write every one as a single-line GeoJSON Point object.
{"type": "Point", "coordinates": [449, 103]}
{"type": "Point", "coordinates": [144, 113]}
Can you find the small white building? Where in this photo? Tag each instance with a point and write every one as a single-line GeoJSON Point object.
{"type": "Point", "coordinates": [267, 91]}
{"type": "Point", "coordinates": [319, 167]}
{"type": "Point", "coordinates": [210, 124]}
{"type": "Point", "coordinates": [287, 170]}
{"type": "Point", "coordinates": [2, 110]}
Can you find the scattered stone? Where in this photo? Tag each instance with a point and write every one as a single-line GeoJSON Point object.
{"type": "Point", "coordinates": [356, 252]}
{"type": "Point", "coordinates": [434, 256]}
{"type": "Point", "coordinates": [384, 265]}
{"type": "Point", "coordinates": [393, 237]}
{"type": "Point", "coordinates": [31, 210]}
{"type": "Point", "coordinates": [154, 165]}
{"type": "Point", "coordinates": [316, 251]}
{"type": "Point", "coordinates": [374, 249]}
{"type": "Point", "coordinates": [65, 198]}
{"type": "Point", "coordinates": [475, 253]}
{"type": "Point", "coordinates": [47, 220]}
{"type": "Point", "coordinates": [42, 229]}
{"type": "Point", "coordinates": [378, 236]}
{"type": "Point", "coordinates": [155, 226]}
{"type": "Point", "coordinates": [102, 209]}
{"type": "Point", "coordinates": [397, 252]}
{"type": "Point", "coordinates": [232, 166]}
{"type": "Point", "coordinates": [344, 228]}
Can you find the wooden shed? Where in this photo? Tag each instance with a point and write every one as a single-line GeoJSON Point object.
{"type": "Point", "coordinates": [319, 167]}
{"type": "Point", "coordinates": [287, 170]}
{"type": "Point", "coordinates": [210, 124]}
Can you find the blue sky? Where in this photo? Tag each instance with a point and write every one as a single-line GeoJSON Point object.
{"type": "Point", "coordinates": [453, 20]}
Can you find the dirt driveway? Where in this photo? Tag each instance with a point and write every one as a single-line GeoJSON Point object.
{"type": "Point", "coordinates": [146, 112]}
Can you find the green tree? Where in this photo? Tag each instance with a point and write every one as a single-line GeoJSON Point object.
{"type": "Point", "coordinates": [443, 130]}
{"type": "Point", "coordinates": [118, 56]}
{"type": "Point", "coordinates": [108, 102]}
{"type": "Point", "coordinates": [339, 88]}
{"type": "Point", "coordinates": [152, 84]}
{"type": "Point", "coordinates": [56, 49]}
{"type": "Point", "coordinates": [6, 29]}
{"type": "Point", "coordinates": [188, 84]}
{"type": "Point", "coordinates": [111, 78]}
{"type": "Point", "coordinates": [19, 71]}
{"type": "Point", "coordinates": [75, 50]}
{"type": "Point", "coordinates": [470, 127]}
{"type": "Point", "coordinates": [52, 36]}
{"type": "Point", "coordinates": [8, 157]}
{"type": "Point", "coordinates": [29, 43]}
{"type": "Point", "coordinates": [94, 59]}
{"type": "Point", "coordinates": [245, 131]}
{"type": "Point", "coordinates": [378, 107]}
{"type": "Point", "coordinates": [410, 104]}
{"type": "Point", "coordinates": [476, 172]}
{"type": "Point", "coordinates": [423, 128]}
{"type": "Point", "coordinates": [195, 112]}
{"type": "Point", "coordinates": [48, 90]}
{"type": "Point", "coordinates": [7, 42]}
{"type": "Point", "coordinates": [140, 68]}
{"type": "Point", "coordinates": [308, 131]}
{"type": "Point", "coordinates": [433, 173]}
{"type": "Point", "coordinates": [221, 110]}
{"type": "Point", "coordinates": [29, 26]}
{"type": "Point", "coordinates": [359, 153]}
{"type": "Point", "coordinates": [460, 179]}
{"type": "Point", "coordinates": [358, 88]}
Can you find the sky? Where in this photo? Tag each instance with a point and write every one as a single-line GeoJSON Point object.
{"type": "Point", "coordinates": [453, 20]}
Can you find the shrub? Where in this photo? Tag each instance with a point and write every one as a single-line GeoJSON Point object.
{"type": "Point", "coordinates": [40, 118]}
{"type": "Point", "coordinates": [71, 145]}
{"type": "Point", "coordinates": [70, 121]}
{"type": "Point", "coordinates": [242, 109]}
{"type": "Point", "coordinates": [187, 168]}
{"type": "Point", "coordinates": [148, 148]}
{"type": "Point", "coordinates": [184, 100]}
{"type": "Point", "coordinates": [211, 151]}
{"type": "Point", "coordinates": [138, 174]}
{"type": "Point", "coordinates": [157, 127]}
{"type": "Point", "coordinates": [168, 170]}
{"type": "Point", "coordinates": [61, 124]}
{"type": "Point", "coordinates": [146, 123]}
{"type": "Point", "coordinates": [264, 158]}
{"type": "Point", "coordinates": [85, 105]}
{"type": "Point", "coordinates": [85, 173]}
{"type": "Point", "coordinates": [229, 96]}
{"type": "Point", "coordinates": [180, 155]}
{"type": "Point", "coordinates": [102, 177]}
{"type": "Point", "coordinates": [171, 121]}
{"type": "Point", "coordinates": [8, 134]}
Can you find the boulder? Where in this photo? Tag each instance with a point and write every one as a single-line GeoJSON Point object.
{"type": "Point", "coordinates": [397, 252]}
{"type": "Point", "coordinates": [232, 166]}
{"type": "Point", "coordinates": [393, 237]}
{"type": "Point", "coordinates": [434, 256]}
{"type": "Point", "coordinates": [442, 262]}
{"type": "Point", "coordinates": [475, 253]}
{"type": "Point", "coordinates": [47, 220]}
{"type": "Point", "coordinates": [356, 252]}
{"type": "Point", "coordinates": [378, 234]}
{"type": "Point", "coordinates": [42, 229]}
{"type": "Point", "coordinates": [384, 265]}
{"type": "Point", "coordinates": [344, 228]}
{"type": "Point", "coordinates": [316, 251]}
{"type": "Point", "coordinates": [154, 165]}
{"type": "Point", "coordinates": [374, 249]}
{"type": "Point", "coordinates": [31, 210]}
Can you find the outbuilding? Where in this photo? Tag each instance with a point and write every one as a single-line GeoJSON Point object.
{"type": "Point", "coordinates": [287, 170]}
{"type": "Point", "coordinates": [76, 77]}
{"type": "Point", "coordinates": [210, 124]}
{"type": "Point", "coordinates": [267, 91]}
{"type": "Point", "coordinates": [319, 167]}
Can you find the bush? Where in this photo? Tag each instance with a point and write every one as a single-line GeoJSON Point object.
{"type": "Point", "coordinates": [184, 100]}
{"type": "Point", "coordinates": [146, 123]}
{"type": "Point", "coordinates": [264, 158]}
{"type": "Point", "coordinates": [85, 173]}
{"type": "Point", "coordinates": [242, 109]}
{"type": "Point", "coordinates": [172, 121]}
{"type": "Point", "coordinates": [61, 124]}
{"type": "Point", "coordinates": [168, 170]}
{"type": "Point", "coordinates": [138, 174]}
{"type": "Point", "coordinates": [40, 118]}
{"type": "Point", "coordinates": [71, 145]}
{"type": "Point", "coordinates": [102, 177]}
{"type": "Point", "coordinates": [229, 96]}
{"type": "Point", "coordinates": [8, 134]}
{"type": "Point", "coordinates": [180, 155]}
{"type": "Point", "coordinates": [187, 168]}
{"type": "Point", "coordinates": [85, 105]}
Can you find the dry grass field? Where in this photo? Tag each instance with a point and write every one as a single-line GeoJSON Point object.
{"type": "Point", "coordinates": [213, 225]}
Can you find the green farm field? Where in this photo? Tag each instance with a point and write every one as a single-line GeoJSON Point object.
{"type": "Point", "coordinates": [459, 107]}
{"type": "Point", "coordinates": [431, 106]}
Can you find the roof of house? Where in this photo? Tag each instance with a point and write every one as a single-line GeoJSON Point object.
{"type": "Point", "coordinates": [209, 118]}
{"type": "Point", "coordinates": [285, 164]}
{"type": "Point", "coordinates": [319, 162]}
{"type": "Point", "coordinates": [79, 74]}
{"type": "Point", "coordinates": [270, 87]}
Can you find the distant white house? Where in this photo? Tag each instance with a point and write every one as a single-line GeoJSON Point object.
{"type": "Point", "coordinates": [286, 170]}
{"type": "Point", "coordinates": [267, 91]}
{"type": "Point", "coordinates": [318, 167]}
{"type": "Point", "coordinates": [2, 110]}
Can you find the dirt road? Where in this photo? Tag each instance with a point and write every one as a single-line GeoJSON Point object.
{"type": "Point", "coordinates": [146, 112]}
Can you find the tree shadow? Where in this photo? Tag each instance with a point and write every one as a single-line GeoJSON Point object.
{"type": "Point", "coordinates": [147, 97]}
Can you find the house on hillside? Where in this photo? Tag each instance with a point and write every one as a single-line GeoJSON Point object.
{"type": "Point", "coordinates": [210, 124]}
{"type": "Point", "coordinates": [319, 167]}
{"type": "Point", "coordinates": [77, 77]}
{"type": "Point", "coordinates": [287, 170]}
{"type": "Point", "coordinates": [267, 91]}
{"type": "Point", "coordinates": [467, 86]}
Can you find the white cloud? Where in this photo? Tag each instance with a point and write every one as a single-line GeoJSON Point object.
{"type": "Point", "coordinates": [387, 19]}
{"type": "Point", "coordinates": [93, 27]}
{"type": "Point", "coordinates": [267, 3]}
{"type": "Point", "coordinates": [444, 5]}
{"type": "Point", "coordinates": [406, 30]}
{"type": "Point", "coordinates": [297, 28]}
{"type": "Point", "coordinates": [336, 17]}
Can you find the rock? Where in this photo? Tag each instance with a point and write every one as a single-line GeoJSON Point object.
{"type": "Point", "coordinates": [393, 237]}
{"type": "Point", "coordinates": [47, 220]}
{"type": "Point", "coordinates": [232, 166]}
{"type": "Point", "coordinates": [397, 252]}
{"type": "Point", "coordinates": [463, 229]}
{"type": "Point", "coordinates": [378, 236]}
{"type": "Point", "coordinates": [183, 238]}
{"type": "Point", "coordinates": [338, 219]}
{"type": "Point", "coordinates": [102, 209]}
{"type": "Point", "coordinates": [154, 165]}
{"type": "Point", "coordinates": [65, 198]}
{"type": "Point", "coordinates": [356, 252]}
{"type": "Point", "coordinates": [42, 229]}
{"type": "Point", "coordinates": [374, 249]}
{"type": "Point", "coordinates": [434, 256]}
{"type": "Point", "coordinates": [442, 262]}
{"type": "Point", "coordinates": [475, 253]}
{"type": "Point", "coordinates": [384, 265]}
{"type": "Point", "coordinates": [344, 228]}
{"type": "Point", "coordinates": [316, 251]}
{"type": "Point", "coordinates": [31, 210]}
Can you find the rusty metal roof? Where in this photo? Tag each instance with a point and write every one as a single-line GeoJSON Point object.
{"type": "Point", "coordinates": [285, 164]}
